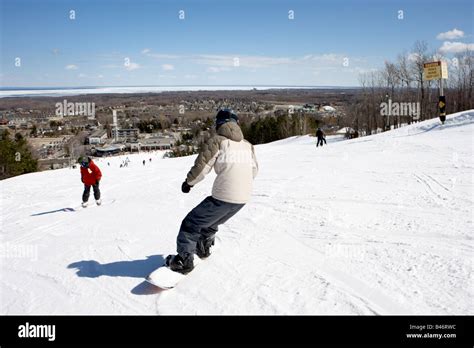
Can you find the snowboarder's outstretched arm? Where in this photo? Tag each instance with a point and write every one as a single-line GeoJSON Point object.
{"type": "Point", "coordinates": [204, 162]}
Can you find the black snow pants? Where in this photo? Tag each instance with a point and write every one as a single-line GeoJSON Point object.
{"type": "Point", "coordinates": [320, 140]}
{"type": "Point", "coordinates": [202, 223]}
{"type": "Point", "coordinates": [87, 191]}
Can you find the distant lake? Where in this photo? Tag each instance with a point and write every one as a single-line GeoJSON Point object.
{"type": "Point", "coordinates": [68, 91]}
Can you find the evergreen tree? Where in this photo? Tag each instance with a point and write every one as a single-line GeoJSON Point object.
{"type": "Point", "coordinates": [15, 156]}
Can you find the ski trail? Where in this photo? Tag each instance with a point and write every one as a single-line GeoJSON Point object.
{"type": "Point", "coordinates": [378, 302]}
{"type": "Point", "coordinates": [437, 197]}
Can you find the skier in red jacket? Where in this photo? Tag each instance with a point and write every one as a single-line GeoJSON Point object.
{"type": "Point", "coordinates": [90, 176]}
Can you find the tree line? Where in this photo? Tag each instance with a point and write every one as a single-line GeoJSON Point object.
{"type": "Point", "coordinates": [271, 128]}
{"type": "Point", "coordinates": [402, 81]}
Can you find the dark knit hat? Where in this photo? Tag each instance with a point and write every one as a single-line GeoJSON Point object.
{"type": "Point", "coordinates": [224, 116]}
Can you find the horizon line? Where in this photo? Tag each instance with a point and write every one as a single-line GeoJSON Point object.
{"type": "Point", "coordinates": [4, 88]}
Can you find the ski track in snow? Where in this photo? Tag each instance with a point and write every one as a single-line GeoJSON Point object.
{"type": "Point", "coordinates": [376, 225]}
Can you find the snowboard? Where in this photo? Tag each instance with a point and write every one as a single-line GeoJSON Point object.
{"type": "Point", "coordinates": [164, 278]}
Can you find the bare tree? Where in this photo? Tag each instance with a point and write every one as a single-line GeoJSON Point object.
{"type": "Point", "coordinates": [392, 81]}
{"type": "Point", "coordinates": [463, 80]}
{"type": "Point", "coordinates": [403, 70]}
{"type": "Point", "coordinates": [420, 57]}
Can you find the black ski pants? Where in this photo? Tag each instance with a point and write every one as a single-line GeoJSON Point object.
{"type": "Point", "coordinates": [87, 191]}
{"type": "Point", "coordinates": [202, 223]}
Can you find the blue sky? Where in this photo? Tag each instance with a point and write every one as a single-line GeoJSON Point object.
{"type": "Point", "coordinates": [225, 42]}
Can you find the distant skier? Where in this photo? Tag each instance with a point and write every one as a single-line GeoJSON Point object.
{"type": "Point", "coordinates": [233, 159]}
{"type": "Point", "coordinates": [321, 137]}
{"type": "Point", "coordinates": [144, 162]}
{"type": "Point", "coordinates": [90, 176]}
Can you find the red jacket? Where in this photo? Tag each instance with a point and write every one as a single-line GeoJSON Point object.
{"type": "Point", "coordinates": [91, 175]}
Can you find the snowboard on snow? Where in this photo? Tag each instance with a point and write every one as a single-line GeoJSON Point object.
{"type": "Point", "coordinates": [164, 278]}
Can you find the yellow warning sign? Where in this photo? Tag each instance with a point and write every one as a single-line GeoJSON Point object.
{"type": "Point", "coordinates": [442, 107]}
{"type": "Point", "coordinates": [435, 70]}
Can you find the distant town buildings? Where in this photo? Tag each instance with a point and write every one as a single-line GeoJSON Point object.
{"type": "Point", "coordinates": [157, 143]}
{"type": "Point", "coordinates": [125, 135]}
{"type": "Point", "coordinates": [109, 150]}
{"type": "Point", "coordinates": [164, 123]}
{"type": "Point", "coordinates": [98, 137]}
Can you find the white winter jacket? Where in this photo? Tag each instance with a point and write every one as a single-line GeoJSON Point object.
{"type": "Point", "coordinates": [234, 161]}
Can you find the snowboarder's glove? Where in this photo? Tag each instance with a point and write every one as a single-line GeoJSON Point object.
{"type": "Point", "coordinates": [185, 187]}
{"type": "Point", "coordinates": [97, 182]}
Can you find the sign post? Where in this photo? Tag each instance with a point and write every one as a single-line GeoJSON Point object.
{"type": "Point", "coordinates": [437, 71]}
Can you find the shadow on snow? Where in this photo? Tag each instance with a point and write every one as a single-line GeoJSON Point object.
{"type": "Point", "coordinates": [54, 211]}
{"type": "Point", "coordinates": [132, 268]}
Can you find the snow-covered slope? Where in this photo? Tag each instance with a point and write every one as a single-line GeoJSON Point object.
{"type": "Point", "coordinates": [379, 224]}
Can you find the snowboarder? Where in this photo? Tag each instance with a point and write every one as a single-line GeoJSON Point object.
{"type": "Point", "coordinates": [90, 176]}
{"type": "Point", "coordinates": [321, 137]}
{"type": "Point", "coordinates": [235, 164]}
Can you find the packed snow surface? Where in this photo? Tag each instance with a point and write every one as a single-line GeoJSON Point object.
{"type": "Point", "coordinates": [376, 225]}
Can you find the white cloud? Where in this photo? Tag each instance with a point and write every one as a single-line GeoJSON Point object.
{"type": "Point", "coordinates": [71, 67]}
{"type": "Point", "coordinates": [163, 56]}
{"type": "Point", "coordinates": [214, 60]}
{"type": "Point", "coordinates": [82, 75]}
{"type": "Point", "coordinates": [263, 62]}
{"type": "Point", "coordinates": [190, 76]}
{"type": "Point", "coordinates": [328, 58]}
{"type": "Point", "coordinates": [146, 50]}
{"type": "Point", "coordinates": [244, 61]}
{"type": "Point", "coordinates": [413, 57]}
{"type": "Point", "coordinates": [167, 76]}
{"type": "Point", "coordinates": [213, 69]}
{"type": "Point", "coordinates": [219, 63]}
{"type": "Point", "coordinates": [451, 35]}
{"type": "Point", "coordinates": [132, 66]}
{"type": "Point", "coordinates": [167, 67]}
{"type": "Point", "coordinates": [253, 62]}
{"type": "Point", "coordinates": [100, 76]}
{"type": "Point", "coordinates": [455, 47]}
